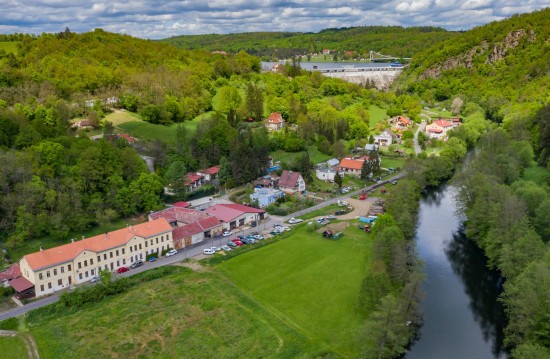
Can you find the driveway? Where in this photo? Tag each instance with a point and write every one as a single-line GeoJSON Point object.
{"type": "Point", "coordinates": [360, 208]}
{"type": "Point", "coordinates": [421, 127]}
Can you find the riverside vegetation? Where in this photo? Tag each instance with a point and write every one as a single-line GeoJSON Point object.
{"type": "Point", "coordinates": [38, 100]}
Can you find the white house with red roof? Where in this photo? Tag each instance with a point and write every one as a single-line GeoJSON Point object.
{"type": "Point", "coordinates": [400, 123]}
{"type": "Point", "coordinates": [274, 122]}
{"type": "Point", "coordinates": [291, 182]}
{"type": "Point", "coordinates": [352, 165]}
{"type": "Point", "coordinates": [235, 215]}
{"type": "Point", "coordinates": [438, 129]}
{"type": "Point", "coordinates": [58, 268]}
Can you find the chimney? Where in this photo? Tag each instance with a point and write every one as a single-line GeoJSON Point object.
{"type": "Point", "coordinates": [41, 248]}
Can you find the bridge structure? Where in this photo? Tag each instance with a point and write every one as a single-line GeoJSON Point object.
{"type": "Point", "coordinates": [348, 69]}
{"type": "Point", "coordinates": [376, 56]}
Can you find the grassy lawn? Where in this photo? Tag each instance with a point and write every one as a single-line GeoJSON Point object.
{"type": "Point", "coordinates": [119, 117]}
{"type": "Point", "coordinates": [9, 46]}
{"type": "Point", "coordinates": [393, 162]}
{"type": "Point", "coordinates": [181, 315]}
{"type": "Point", "coordinates": [537, 174]}
{"type": "Point", "coordinates": [14, 346]}
{"type": "Point", "coordinates": [6, 304]}
{"type": "Point", "coordinates": [287, 157]}
{"type": "Point", "coordinates": [150, 132]}
{"type": "Point", "coordinates": [312, 283]}
{"type": "Point", "coordinates": [30, 246]}
{"type": "Point", "coordinates": [376, 114]}
{"type": "Point", "coordinates": [321, 212]}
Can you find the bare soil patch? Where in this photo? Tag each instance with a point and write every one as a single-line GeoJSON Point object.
{"type": "Point", "coordinates": [335, 227]}
{"type": "Point", "coordinates": [360, 208]}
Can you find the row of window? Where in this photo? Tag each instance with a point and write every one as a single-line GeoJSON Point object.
{"type": "Point", "coordinates": [59, 283]}
{"type": "Point", "coordinates": [48, 273]}
{"type": "Point", "coordinates": [111, 254]}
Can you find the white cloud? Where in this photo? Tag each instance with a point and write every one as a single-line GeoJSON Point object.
{"type": "Point", "coordinates": [160, 19]}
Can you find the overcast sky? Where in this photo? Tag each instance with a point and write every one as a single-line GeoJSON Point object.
{"type": "Point", "coordinates": [156, 19]}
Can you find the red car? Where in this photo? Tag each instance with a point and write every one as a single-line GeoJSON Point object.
{"type": "Point", "coordinates": [123, 269]}
{"type": "Point", "coordinates": [237, 242]}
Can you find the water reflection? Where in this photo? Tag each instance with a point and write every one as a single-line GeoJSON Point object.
{"type": "Point", "coordinates": [462, 318]}
{"type": "Point", "coordinates": [482, 286]}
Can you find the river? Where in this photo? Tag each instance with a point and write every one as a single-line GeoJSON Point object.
{"type": "Point", "coordinates": [462, 318]}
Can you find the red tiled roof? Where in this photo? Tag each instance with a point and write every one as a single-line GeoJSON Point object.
{"type": "Point", "coordinates": [212, 170]}
{"type": "Point", "coordinates": [275, 118]}
{"type": "Point", "coordinates": [289, 179]}
{"type": "Point", "coordinates": [443, 123]}
{"type": "Point", "coordinates": [403, 120]}
{"type": "Point", "coordinates": [127, 137]}
{"type": "Point", "coordinates": [182, 204]}
{"type": "Point", "coordinates": [435, 130]}
{"type": "Point", "coordinates": [67, 252]}
{"type": "Point", "coordinates": [355, 164]}
{"type": "Point", "coordinates": [179, 214]}
{"type": "Point", "coordinates": [21, 284]}
{"type": "Point", "coordinates": [209, 223]}
{"type": "Point", "coordinates": [186, 231]}
{"type": "Point", "coordinates": [228, 212]}
{"type": "Point", "coordinates": [12, 272]}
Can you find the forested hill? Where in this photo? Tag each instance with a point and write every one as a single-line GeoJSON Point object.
{"type": "Point", "coordinates": [503, 66]}
{"type": "Point", "coordinates": [393, 40]}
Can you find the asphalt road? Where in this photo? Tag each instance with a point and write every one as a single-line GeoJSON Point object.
{"type": "Point", "coordinates": [197, 249]}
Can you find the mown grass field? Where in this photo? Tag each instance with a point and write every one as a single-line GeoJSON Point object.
{"type": "Point", "coordinates": [149, 132]}
{"type": "Point", "coordinates": [182, 315]}
{"type": "Point", "coordinates": [9, 46]}
{"type": "Point", "coordinates": [287, 157]}
{"type": "Point", "coordinates": [393, 162]}
{"type": "Point", "coordinates": [12, 348]}
{"type": "Point", "coordinates": [376, 114]}
{"type": "Point", "coordinates": [311, 282]}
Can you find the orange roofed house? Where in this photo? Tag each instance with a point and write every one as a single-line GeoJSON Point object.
{"type": "Point", "coordinates": [351, 165]}
{"type": "Point", "coordinates": [438, 129]}
{"type": "Point", "coordinates": [274, 122]}
{"type": "Point", "coordinates": [77, 262]}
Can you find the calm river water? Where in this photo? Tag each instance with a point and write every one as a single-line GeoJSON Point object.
{"type": "Point", "coordinates": [462, 318]}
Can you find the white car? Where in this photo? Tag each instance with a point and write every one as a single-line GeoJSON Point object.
{"type": "Point", "coordinates": [208, 251]}
{"type": "Point", "coordinates": [227, 233]}
{"type": "Point", "coordinates": [226, 248]}
{"type": "Point", "coordinates": [295, 220]}
{"type": "Point", "coordinates": [171, 253]}
{"type": "Point", "coordinates": [216, 249]}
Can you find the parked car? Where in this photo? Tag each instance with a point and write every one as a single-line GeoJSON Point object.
{"type": "Point", "coordinates": [208, 251]}
{"type": "Point", "coordinates": [231, 244]}
{"type": "Point", "coordinates": [258, 237]}
{"type": "Point", "coordinates": [227, 233]}
{"type": "Point", "coordinates": [94, 279]}
{"type": "Point", "coordinates": [137, 264]}
{"type": "Point", "coordinates": [123, 269]}
{"type": "Point", "coordinates": [295, 220]}
{"type": "Point", "coordinates": [331, 217]}
{"type": "Point", "coordinates": [339, 213]}
{"type": "Point", "coordinates": [394, 182]}
{"type": "Point", "coordinates": [152, 259]}
{"type": "Point", "coordinates": [237, 242]}
{"type": "Point", "coordinates": [215, 249]}
{"type": "Point", "coordinates": [226, 248]}
{"type": "Point", "coordinates": [171, 252]}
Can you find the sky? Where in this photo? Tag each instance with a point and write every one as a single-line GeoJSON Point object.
{"type": "Point", "coordinates": [156, 19]}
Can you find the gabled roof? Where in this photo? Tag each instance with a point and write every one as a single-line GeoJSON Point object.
{"type": "Point", "coordinates": [12, 272]}
{"type": "Point", "coordinates": [435, 130]}
{"type": "Point", "coordinates": [127, 137]}
{"type": "Point", "coordinates": [442, 123]}
{"type": "Point", "coordinates": [21, 284]}
{"type": "Point", "coordinates": [352, 163]}
{"type": "Point", "coordinates": [212, 170]}
{"type": "Point", "coordinates": [403, 120]}
{"type": "Point", "coordinates": [179, 214]}
{"type": "Point", "coordinates": [275, 118]}
{"type": "Point", "coordinates": [182, 204]}
{"type": "Point", "coordinates": [68, 252]}
{"type": "Point", "coordinates": [190, 229]}
{"type": "Point", "coordinates": [289, 179]}
{"type": "Point", "coordinates": [333, 162]}
{"type": "Point", "coordinates": [228, 212]}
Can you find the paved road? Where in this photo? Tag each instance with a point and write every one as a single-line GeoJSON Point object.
{"type": "Point", "coordinates": [197, 249]}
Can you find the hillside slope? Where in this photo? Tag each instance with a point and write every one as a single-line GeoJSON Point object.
{"type": "Point", "coordinates": [393, 40]}
{"type": "Point", "coordinates": [501, 66]}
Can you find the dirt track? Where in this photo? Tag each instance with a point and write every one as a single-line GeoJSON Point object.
{"type": "Point", "coordinates": [360, 208]}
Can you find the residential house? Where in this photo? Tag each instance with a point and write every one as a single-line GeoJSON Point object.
{"type": "Point", "coordinates": [274, 122]}
{"type": "Point", "coordinates": [326, 52]}
{"type": "Point", "coordinates": [193, 180]}
{"type": "Point", "coordinates": [210, 174]}
{"type": "Point", "coordinates": [438, 129]}
{"type": "Point", "coordinates": [126, 137]}
{"type": "Point", "coordinates": [83, 125]}
{"type": "Point", "coordinates": [77, 262]}
{"type": "Point", "coordinates": [291, 182]}
{"type": "Point", "coordinates": [400, 123]}
{"type": "Point", "coordinates": [266, 196]}
{"type": "Point", "coordinates": [369, 147]}
{"type": "Point", "coordinates": [11, 273]}
{"type": "Point", "coordinates": [352, 165]}
{"type": "Point", "coordinates": [266, 181]}
{"type": "Point", "coordinates": [385, 139]}
{"type": "Point", "coordinates": [235, 215]}
{"type": "Point", "coordinates": [333, 163]}
{"type": "Point", "coordinates": [327, 174]}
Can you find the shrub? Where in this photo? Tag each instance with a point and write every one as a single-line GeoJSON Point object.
{"type": "Point", "coordinates": [6, 291]}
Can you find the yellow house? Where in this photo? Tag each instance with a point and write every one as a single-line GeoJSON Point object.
{"type": "Point", "coordinates": [71, 264]}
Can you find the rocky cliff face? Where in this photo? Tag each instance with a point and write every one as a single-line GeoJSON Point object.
{"type": "Point", "coordinates": [497, 53]}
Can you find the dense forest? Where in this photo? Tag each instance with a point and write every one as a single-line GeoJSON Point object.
{"type": "Point", "coordinates": [391, 40]}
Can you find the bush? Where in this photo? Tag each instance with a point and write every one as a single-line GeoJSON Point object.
{"type": "Point", "coordinates": [6, 291]}
{"type": "Point", "coordinates": [9, 324]}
